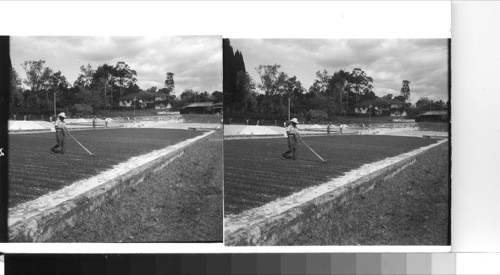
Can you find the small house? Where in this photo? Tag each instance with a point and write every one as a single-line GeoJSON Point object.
{"type": "Point", "coordinates": [378, 107]}
{"type": "Point", "coordinates": [217, 107]}
{"type": "Point", "coordinates": [144, 100]}
{"type": "Point", "coordinates": [397, 108]}
{"type": "Point", "coordinates": [381, 106]}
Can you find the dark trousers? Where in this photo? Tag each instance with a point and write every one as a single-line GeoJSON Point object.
{"type": "Point", "coordinates": [61, 140]}
{"type": "Point", "coordinates": [292, 148]}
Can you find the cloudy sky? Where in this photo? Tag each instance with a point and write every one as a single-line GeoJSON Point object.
{"type": "Point", "coordinates": [424, 62]}
{"type": "Point", "coordinates": [196, 61]}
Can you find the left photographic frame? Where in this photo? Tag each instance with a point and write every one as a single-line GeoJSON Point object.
{"type": "Point", "coordinates": [115, 139]}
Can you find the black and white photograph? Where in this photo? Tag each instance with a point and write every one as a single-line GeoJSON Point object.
{"type": "Point", "coordinates": [337, 142]}
{"type": "Point", "coordinates": [115, 139]}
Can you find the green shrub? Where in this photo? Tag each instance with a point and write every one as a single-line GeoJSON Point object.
{"type": "Point", "coordinates": [82, 109]}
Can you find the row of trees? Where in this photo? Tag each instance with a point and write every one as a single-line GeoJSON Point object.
{"type": "Point", "coordinates": [331, 94]}
{"type": "Point", "coordinates": [94, 89]}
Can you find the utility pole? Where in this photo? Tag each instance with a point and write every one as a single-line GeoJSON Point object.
{"type": "Point", "coordinates": [55, 110]}
{"type": "Point", "coordinates": [134, 106]}
{"type": "Point", "coordinates": [288, 109]}
{"type": "Point", "coordinates": [370, 114]}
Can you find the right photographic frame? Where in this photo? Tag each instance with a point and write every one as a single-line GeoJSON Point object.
{"type": "Point", "coordinates": [337, 142]}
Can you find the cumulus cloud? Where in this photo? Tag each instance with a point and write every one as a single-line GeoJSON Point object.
{"type": "Point", "coordinates": [196, 61]}
{"type": "Point", "coordinates": [424, 62]}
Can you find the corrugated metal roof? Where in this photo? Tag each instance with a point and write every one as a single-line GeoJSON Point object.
{"type": "Point", "coordinates": [200, 104]}
{"type": "Point", "coordinates": [435, 113]}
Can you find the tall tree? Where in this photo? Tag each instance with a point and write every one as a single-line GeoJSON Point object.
{"type": "Point", "coordinates": [245, 84]}
{"type": "Point", "coordinates": [360, 83]}
{"type": "Point", "coordinates": [92, 98]}
{"type": "Point", "coordinates": [229, 73]}
{"type": "Point", "coordinates": [405, 89]}
{"type": "Point", "coordinates": [153, 89]}
{"type": "Point", "coordinates": [103, 80]}
{"type": "Point", "coordinates": [320, 84]}
{"type": "Point", "coordinates": [239, 67]}
{"type": "Point", "coordinates": [132, 89]}
{"type": "Point", "coordinates": [340, 82]}
{"type": "Point", "coordinates": [124, 76]}
{"type": "Point", "coordinates": [217, 96]}
{"type": "Point", "coordinates": [37, 75]}
{"type": "Point", "coordinates": [272, 82]}
{"type": "Point", "coordinates": [325, 93]}
{"type": "Point", "coordinates": [188, 96]}
{"type": "Point", "coordinates": [43, 83]}
{"type": "Point", "coordinates": [369, 95]}
{"type": "Point", "coordinates": [388, 96]}
{"type": "Point", "coordinates": [57, 84]}
{"type": "Point", "coordinates": [294, 91]}
{"type": "Point", "coordinates": [16, 92]}
{"type": "Point", "coordinates": [239, 63]}
{"type": "Point", "coordinates": [169, 83]}
{"type": "Point", "coordinates": [233, 64]}
{"type": "Point", "coordinates": [86, 77]}
{"type": "Point", "coordinates": [271, 79]}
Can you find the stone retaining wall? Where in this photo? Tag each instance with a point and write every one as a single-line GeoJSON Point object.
{"type": "Point", "coordinates": [44, 225]}
{"type": "Point", "coordinates": [289, 223]}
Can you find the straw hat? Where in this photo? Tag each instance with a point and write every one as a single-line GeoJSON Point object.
{"type": "Point", "coordinates": [62, 115]}
{"type": "Point", "coordinates": [294, 120]}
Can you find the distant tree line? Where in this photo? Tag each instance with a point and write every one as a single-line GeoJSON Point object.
{"type": "Point", "coordinates": [94, 89]}
{"type": "Point", "coordinates": [330, 95]}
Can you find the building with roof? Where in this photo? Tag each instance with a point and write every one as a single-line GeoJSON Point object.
{"type": "Point", "coordinates": [434, 116]}
{"type": "Point", "coordinates": [202, 108]}
{"type": "Point", "coordinates": [380, 106]}
{"type": "Point", "coordinates": [144, 100]}
{"type": "Point", "coordinates": [217, 107]}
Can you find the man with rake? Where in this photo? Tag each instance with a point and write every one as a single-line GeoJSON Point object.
{"type": "Point", "coordinates": [61, 131]}
{"type": "Point", "coordinates": [292, 133]}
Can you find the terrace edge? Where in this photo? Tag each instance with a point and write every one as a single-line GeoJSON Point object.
{"type": "Point", "coordinates": [290, 222]}
{"type": "Point", "coordinates": [44, 225]}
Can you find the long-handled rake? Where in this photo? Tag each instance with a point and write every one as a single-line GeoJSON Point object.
{"type": "Point", "coordinates": [81, 144]}
{"type": "Point", "coordinates": [312, 150]}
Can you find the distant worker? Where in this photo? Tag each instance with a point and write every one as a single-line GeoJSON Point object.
{"type": "Point", "coordinates": [106, 121]}
{"type": "Point", "coordinates": [94, 121]}
{"type": "Point", "coordinates": [341, 127]}
{"type": "Point", "coordinates": [50, 118]}
{"type": "Point", "coordinates": [292, 134]}
{"type": "Point", "coordinates": [328, 127]}
{"type": "Point", "coordinates": [61, 131]}
{"type": "Point", "coordinates": [258, 123]}
{"type": "Point", "coordinates": [25, 118]}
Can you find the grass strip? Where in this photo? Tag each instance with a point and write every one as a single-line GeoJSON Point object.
{"type": "Point", "coordinates": [411, 208]}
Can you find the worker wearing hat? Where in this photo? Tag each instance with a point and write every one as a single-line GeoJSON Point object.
{"type": "Point", "coordinates": [61, 131]}
{"type": "Point", "coordinates": [293, 134]}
